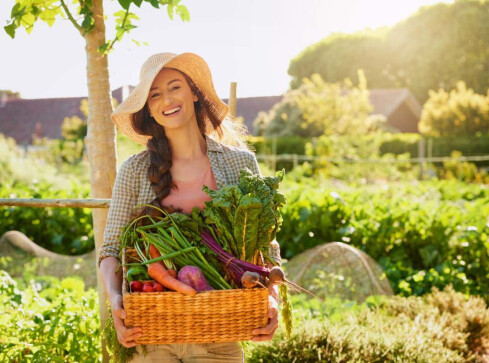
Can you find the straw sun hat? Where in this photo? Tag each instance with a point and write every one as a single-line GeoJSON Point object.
{"type": "Point", "coordinates": [190, 64]}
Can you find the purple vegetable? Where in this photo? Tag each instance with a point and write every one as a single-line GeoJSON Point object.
{"type": "Point", "coordinates": [194, 277]}
{"type": "Point", "coordinates": [235, 266]}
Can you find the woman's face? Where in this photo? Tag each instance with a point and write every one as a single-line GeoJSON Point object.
{"type": "Point", "coordinates": [171, 101]}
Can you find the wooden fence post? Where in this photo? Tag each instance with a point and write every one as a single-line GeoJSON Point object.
{"type": "Point", "coordinates": [232, 99]}
{"type": "Point", "coordinates": [421, 156]}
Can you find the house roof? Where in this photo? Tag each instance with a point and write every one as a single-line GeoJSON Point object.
{"type": "Point", "coordinates": [249, 107]}
{"type": "Point", "coordinates": [18, 117]}
{"type": "Point", "coordinates": [386, 101]}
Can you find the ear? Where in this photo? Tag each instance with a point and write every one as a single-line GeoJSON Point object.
{"type": "Point", "coordinates": [195, 98]}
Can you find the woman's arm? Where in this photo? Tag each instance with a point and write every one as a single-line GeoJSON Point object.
{"type": "Point", "coordinates": [113, 287]}
{"type": "Point", "coordinates": [122, 201]}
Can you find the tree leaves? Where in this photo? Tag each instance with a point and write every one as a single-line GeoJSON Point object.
{"type": "Point", "coordinates": [25, 13]}
{"type": "Point", "coordinates": [435, 47]}
{"type": "Point", "coordinates": [10, 30]}
{"type": "Point", "coordinates": [125, 3]}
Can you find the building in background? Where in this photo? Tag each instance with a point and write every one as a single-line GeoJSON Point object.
{"type": "Point", "coordinates": [22, 119]}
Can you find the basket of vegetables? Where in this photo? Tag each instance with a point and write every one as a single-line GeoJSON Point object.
{"type": "Point", "coordinates": [201, 278]}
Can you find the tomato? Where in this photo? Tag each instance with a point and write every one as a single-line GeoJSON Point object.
{"type": "Point", "coordinates": [136, 286]}
{"type": "Point", "coordinates": [158, 287]}
{"type": "Point", "coordinates": [148, 287]}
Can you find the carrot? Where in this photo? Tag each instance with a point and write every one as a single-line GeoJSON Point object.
{"type": "Point", "coordinates": [154, 253]}
{"type": "Point", "coordinates": [165, 277]}
{"type": "Point", "coordinates": [160, 274]}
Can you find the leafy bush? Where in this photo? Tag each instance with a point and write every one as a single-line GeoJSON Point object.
{"type": "Point", "coordinates": [48, 320]}
{"type": "Point", "coordinates": [458, 112]}
{"type": "Point", "coordinates": [319, 108]}
{"type": "Point", "coordinates": [443, 326]}
{"type": "Point", "coordinates": [423, 235]}
{"type": "Point", "coordinates": [66, 231]}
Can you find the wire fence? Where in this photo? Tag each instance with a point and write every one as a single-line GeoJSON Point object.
{"type": "Point", "coordinates": [297, 158]}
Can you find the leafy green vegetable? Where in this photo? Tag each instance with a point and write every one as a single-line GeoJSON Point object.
{"type": "Point", "coordinates": [246, 216]}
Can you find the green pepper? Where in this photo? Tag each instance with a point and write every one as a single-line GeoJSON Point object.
{"type": "Point", "coordinates": [137, 273]}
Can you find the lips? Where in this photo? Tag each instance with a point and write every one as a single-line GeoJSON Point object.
{"type": "Point", "coordinates": [172, 111]}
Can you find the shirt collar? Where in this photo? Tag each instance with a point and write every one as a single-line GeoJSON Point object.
{"type": "Point", "coordinates": [213, 145]}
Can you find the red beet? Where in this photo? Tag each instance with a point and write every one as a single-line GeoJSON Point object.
{"type": "Point", "coordinates": [194, 277]}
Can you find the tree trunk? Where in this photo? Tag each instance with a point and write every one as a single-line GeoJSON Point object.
{"type": "Point", "coordinates": [100, 140]}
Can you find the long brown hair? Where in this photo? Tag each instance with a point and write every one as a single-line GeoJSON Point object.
{"type": "Point", "coordinates": [159, 149]}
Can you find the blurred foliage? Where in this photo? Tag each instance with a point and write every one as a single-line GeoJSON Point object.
{"type": "Point", "coordinates": [423, 234]}
{"type": "Point", "coordinates": [10, 94]}
{"type": "Point", "coordinates": [48, 320]}
{"type": "Point", "coordinates": [454, 113]}
{"type": "Point", "coordinates": [434, 48]}
{"type": "Point", "coordinates": [16, 167]}
{"type": "Point", "coordinates": [319, 108]}
{"type": "Point", "coordinates": [442, 326]}
{"type": "Point", "coordinates": [67, 231]}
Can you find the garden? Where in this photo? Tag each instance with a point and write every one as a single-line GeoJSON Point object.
{"type": "Point", "coordinates": [430, 238]}
{"type": "Point", "coordinates": [386, 228]}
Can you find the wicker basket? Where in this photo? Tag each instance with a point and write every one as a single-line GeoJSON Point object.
{"type": "Point", "coordinates": [208, 317]}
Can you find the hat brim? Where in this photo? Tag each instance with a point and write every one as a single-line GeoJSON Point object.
{"type": "Point", "coordinates": [193, 66]}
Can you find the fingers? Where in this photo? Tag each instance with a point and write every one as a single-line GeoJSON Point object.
{"type": "Point", "coordinates": [267, 332]}
{"type": "Point", "coordinates": [272, 307]}
{"type": "Point", "coordinates": [126, 336]}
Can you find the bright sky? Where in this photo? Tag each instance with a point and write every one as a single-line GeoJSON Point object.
{"type": "Point", "coordinates": [250, 42]}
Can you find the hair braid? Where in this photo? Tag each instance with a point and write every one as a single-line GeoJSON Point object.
{"type": "Point", "coordinates": [160, 157]}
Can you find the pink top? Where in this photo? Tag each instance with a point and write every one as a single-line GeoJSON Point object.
{"type": "Point", "coordinates": [189, 194]}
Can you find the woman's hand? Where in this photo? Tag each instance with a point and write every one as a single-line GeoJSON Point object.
{"type": "Point", "coordinates": [267, 332]}
{"type": "Point", "coordinates": [126, 336]}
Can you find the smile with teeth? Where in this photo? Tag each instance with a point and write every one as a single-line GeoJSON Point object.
{"type": "Point", "coordinates": [173, 110]}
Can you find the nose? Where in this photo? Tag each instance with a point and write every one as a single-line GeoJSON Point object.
{"type": "Point", "coordinates": [167, 98]}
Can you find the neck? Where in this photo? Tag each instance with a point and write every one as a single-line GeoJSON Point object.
{"type": "Point", "coordinates": [187, 143]}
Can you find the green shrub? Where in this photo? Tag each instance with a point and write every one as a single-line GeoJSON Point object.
{"type": "Point", "coordinates": [66, 231]}
{"type": "Point", "coordinates": [423, 235]}
{"type": "Point", "coordinates": [317, 108]}
{"type": "Point", "coordinates": [48, 320]}
{"type": "Point", "coordinates": [442, 326]}
{"type": "Point", "coordinates": [458, 112]}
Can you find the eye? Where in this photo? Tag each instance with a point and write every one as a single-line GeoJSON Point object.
{"type": "Point", "coordinates": [154, 95]}
{"type": "Point", "coordinates": [174, 88]}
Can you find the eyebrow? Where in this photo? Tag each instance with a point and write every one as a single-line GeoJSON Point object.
{"type": "Point", "coordinates": [174, 80]}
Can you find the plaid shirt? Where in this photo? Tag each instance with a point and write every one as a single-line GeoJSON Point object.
{"type": "Point", "coordinates": [132, 187]}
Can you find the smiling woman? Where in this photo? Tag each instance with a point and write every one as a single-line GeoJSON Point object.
{"type": "Point", "coordinates": [171, 101]}
{"type": "Point", "coordinates": [191, 142]}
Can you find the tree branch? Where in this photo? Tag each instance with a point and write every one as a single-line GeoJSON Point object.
{"type": "Point", "coordinates": [122, 26]}
{"type": "Point", "coordinates": [73, 21]}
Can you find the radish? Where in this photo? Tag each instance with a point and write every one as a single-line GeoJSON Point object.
{"type": "Point", "coordinates": [148, 287]}
{"type": "Point", "coordinates": [136, 286]}
{"type": "Point", "coordinates": [158, 287]}
{"type": "Point", "coordinates": [250, 279]}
